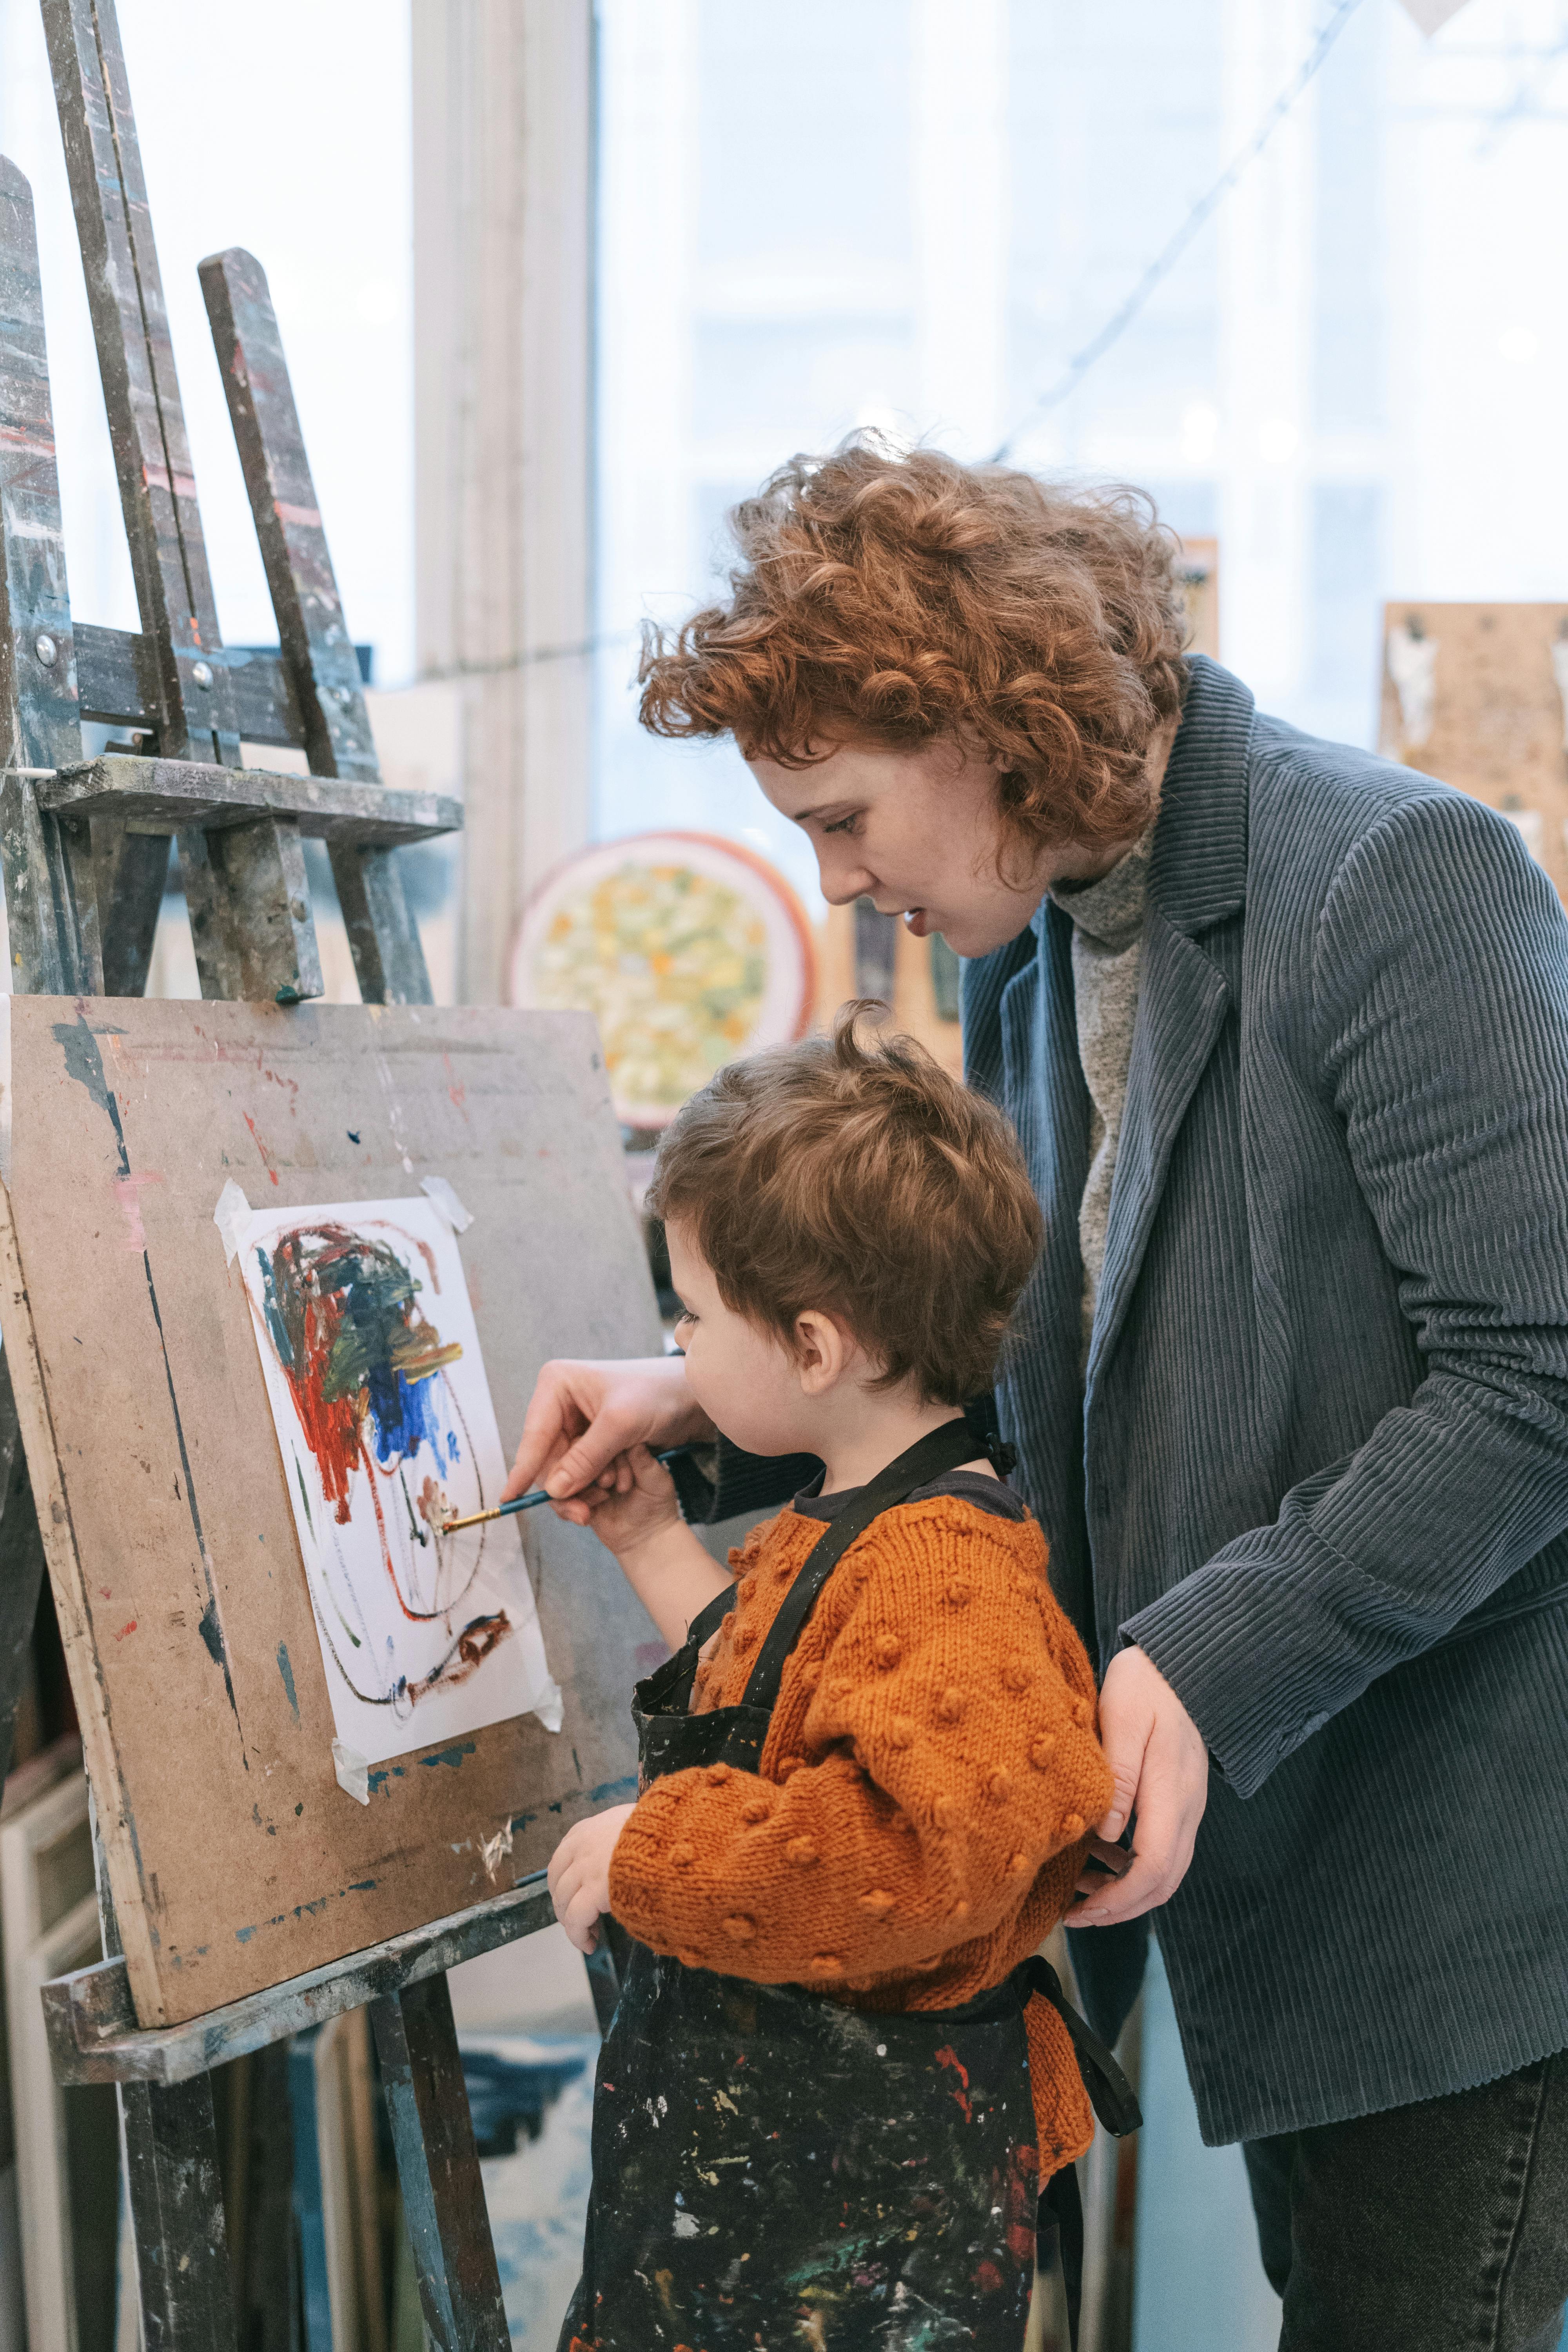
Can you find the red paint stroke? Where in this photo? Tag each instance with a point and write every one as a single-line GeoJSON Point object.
{"type": "Point", "coordinates": [127, 1189]}
{"type": "Point", "coordinates": [266, 1155]}
{"type": "Point", "coordinates": [988, 2278]}
{"type": "Point", "coordinates": [456, 1091]}
{"type": "Point", "coordinates": [947, 2057]}
{"type": "Point", "coordinates": [126, 1629]}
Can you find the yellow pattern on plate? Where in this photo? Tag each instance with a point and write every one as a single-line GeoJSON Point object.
{"type": "Point", "coordinates": [670, 962]}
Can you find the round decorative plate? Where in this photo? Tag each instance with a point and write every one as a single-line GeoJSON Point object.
{"type": "Point", "coordinates": [688, 951]}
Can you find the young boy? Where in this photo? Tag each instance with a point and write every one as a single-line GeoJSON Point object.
{"type": "Point", "coordinates": [828, 2099]}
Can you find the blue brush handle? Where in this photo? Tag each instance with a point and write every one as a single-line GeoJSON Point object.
{"type": "Point", "coordinates": [540, 1495]}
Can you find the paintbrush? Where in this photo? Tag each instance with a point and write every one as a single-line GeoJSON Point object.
{"type": "Point", "coordinates": [532, 1501]}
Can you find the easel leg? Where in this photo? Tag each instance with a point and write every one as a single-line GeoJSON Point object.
{"type": "Point", "coordinates": [176, 2207]}
{"type": "Point", "coordinates": [443, 2194]}
{"type": "Point", "coordinates": [21, 1566]}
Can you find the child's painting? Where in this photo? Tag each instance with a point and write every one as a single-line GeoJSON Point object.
{"type": "Point", "coordinates": [384, 1421]}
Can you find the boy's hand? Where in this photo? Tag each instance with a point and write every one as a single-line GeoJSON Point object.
{"type": "Point", "coordinates": [633, 1499]}
{"type": "Point", "coordinates": [580, 1875]}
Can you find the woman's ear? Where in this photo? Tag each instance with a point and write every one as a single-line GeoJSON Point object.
{"type": "Point", "coordinates": [823, 1351]}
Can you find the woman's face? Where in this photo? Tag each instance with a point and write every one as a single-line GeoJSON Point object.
{"type": "Point", "coordinates": [918, 832]}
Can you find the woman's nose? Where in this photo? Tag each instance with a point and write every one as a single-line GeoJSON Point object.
{"type": "Point", "coordinates": [843, 883]}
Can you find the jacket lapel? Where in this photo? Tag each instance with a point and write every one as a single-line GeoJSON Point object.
{"type": "Point", "coordinates": [1197, 878]}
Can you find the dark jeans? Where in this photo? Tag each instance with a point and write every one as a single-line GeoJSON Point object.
{"type": "Point", "coordinates": [1441, 2227]}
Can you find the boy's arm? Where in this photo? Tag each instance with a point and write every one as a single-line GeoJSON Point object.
{"type": "Point", "coordinates": [661, 1559]}
{"type": "Point", "coordinates": [949, 1758]}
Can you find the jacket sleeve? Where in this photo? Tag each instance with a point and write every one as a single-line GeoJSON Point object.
{"type": "Point", "coordinates": [1441, 1004]}
{"type": "Point", "coordinates": [717, 1481]}
{"type": "Point", "coordinates": [941, 1771]}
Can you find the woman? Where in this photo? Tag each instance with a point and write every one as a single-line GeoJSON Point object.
{"type": "Point", "coordinates": [1283, 1029]}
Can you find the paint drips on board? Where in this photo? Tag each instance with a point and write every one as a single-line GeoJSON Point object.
{"type": "Point", "coordinates": [384, 1421]}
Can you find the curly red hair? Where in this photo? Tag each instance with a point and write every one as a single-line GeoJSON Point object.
{"type": "Point", "coordinates": [902, 598]}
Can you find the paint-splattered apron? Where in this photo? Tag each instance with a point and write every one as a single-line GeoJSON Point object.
{"type": "Point", "coordinates": [771, 2168]}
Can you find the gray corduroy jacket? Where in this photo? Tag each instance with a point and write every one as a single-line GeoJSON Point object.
{"type": "Point", "coordinates": [1319, 1468]}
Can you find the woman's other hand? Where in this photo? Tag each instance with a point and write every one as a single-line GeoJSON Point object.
{"type": "Point", "coordinates": [579, 1875]}
{"type": "Point", "coordinates": [1160, 1768]}
{"type": "Point", "coordinates": [583, 1415]}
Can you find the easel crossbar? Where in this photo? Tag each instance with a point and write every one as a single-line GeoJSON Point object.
{"type": "Point", "coordinates": [117, 682]}
{"type": "Point", "coordinates": [152, 795]}
{"type": "Point", "coordinates": [94, 2037]}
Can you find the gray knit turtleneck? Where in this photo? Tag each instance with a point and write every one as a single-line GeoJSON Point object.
{"type": "Point", "coordinates": [1107, 958]}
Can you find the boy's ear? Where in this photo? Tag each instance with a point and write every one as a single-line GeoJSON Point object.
{"type": "Point", "coordinates": [823, 1350]}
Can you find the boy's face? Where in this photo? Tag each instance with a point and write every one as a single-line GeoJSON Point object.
{"type": "Point", "coordinates": [747, 1381]}
{"type": "Point", "coordinates": [919, 833]}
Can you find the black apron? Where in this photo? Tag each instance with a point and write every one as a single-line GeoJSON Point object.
{"type": "Point", "coordinates": [772, 2168]}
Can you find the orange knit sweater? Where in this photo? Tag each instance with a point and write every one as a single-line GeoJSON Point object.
{"type": "Point", "coordinates": [918, 1819]}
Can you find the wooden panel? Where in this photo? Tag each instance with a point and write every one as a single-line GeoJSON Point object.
{"type": "Point", "coordinates": [317, 647]}
{"type": "Point", "coordinates": [53, 930]}
{"type": "Point", "coordinates": [317, 652]}
{"type": "Point", "coordinates": [1485, 706]}
{"type": "Point", "coordinates": [158, 495]}
{"type": "Point", "coordinates": [140, 387]}
{"type": "Point", "coordinates": [235, 1858]}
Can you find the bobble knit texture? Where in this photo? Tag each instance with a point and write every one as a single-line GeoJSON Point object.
{"type": "Point", "coordinates": [919, 1819]}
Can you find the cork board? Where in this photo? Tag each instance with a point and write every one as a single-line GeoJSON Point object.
{"type": "Point", "coordinates": [235, 1857]}
{"type": "Point", "coordinates": [1474, 694]}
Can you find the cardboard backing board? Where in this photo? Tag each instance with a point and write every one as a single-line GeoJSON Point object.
{"type": "Point", "coordinates": [1485, 710]}
{"type": "Point", "coordinates": [235, 1858]}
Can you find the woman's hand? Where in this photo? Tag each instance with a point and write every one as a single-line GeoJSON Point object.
{"type": "Point", "coordinates": [582, 1415]}
{"type": "Point", "coordinates": [1160, 1768]}
{"type": "Point", "coordinates": [579, 1875]}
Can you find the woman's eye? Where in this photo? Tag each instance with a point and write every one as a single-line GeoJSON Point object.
{"type": "Point", "coordinates": [850, 825]}
{"type": "Point", "coordinates": [685, 1315]}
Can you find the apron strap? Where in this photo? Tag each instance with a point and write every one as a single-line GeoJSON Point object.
{"type": "Point", "coordinates": [709, 1618]}
{"type": "Point", "coordinates": [944, 1449]}
{"type": "Point", "coordinates": [1110, 2094]}
{"type": "Point", "coordinates": [1058, 2237]}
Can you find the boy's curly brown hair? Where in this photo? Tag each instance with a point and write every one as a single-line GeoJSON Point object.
{"type": "Point", "coordinates": [860, 1179]}
{"type": "Point", "coordinates": [898, 598]}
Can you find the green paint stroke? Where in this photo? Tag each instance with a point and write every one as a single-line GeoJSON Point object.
{"type": "Point", "coordinates": [287, 1671]}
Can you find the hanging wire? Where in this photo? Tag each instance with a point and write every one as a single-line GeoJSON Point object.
{"type": "Point", "coordinates": [1165, 260]}
{"type": "Point", "coordinates": [505, 664]}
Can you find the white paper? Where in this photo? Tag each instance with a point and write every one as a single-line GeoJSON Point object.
{"type": "Point", "coordinates": [385, 1422]}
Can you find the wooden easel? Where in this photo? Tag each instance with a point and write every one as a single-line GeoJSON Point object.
{"type": "Point", "coordinates": [84, 850]}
